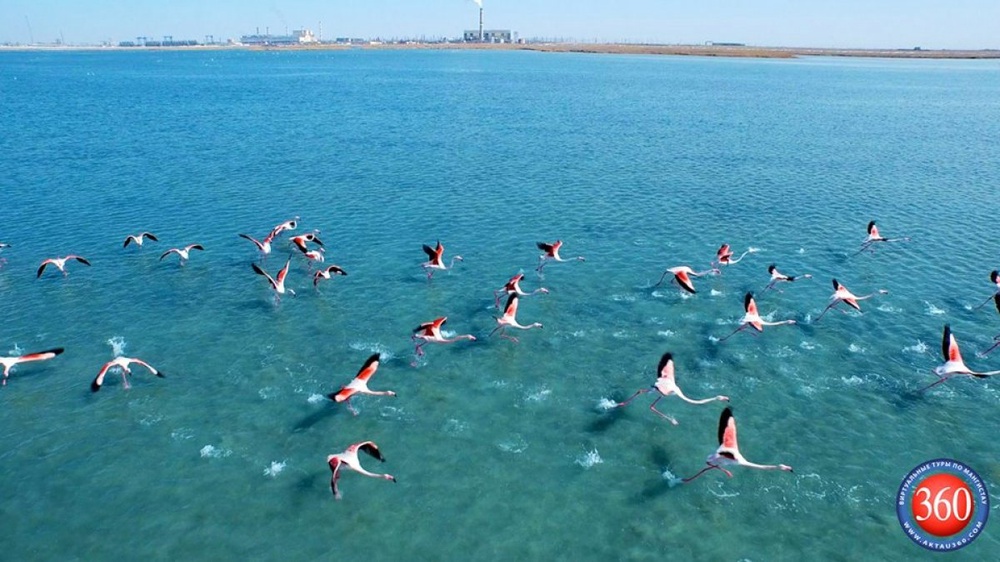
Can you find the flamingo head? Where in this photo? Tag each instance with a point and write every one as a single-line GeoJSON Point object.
{"type": "Point", "coordinates": [393, 478]}
{"type": "Point", "coordinates": [458, 258]}
{"type": "Point", "coordinates": [722, 398]}
{"type": "Point", "coordinates": [785, 467]}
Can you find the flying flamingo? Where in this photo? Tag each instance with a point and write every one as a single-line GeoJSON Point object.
{"type": "Point", "coordinates": [359, 385]}
{"type": "Point", "coordinates": [513, 287]}
{"type": "Point", "coordinates": [3, 245]}
{"type": "Point", "coordinates": [874, 236]}
{"type": "Point", "coordinates": [138, 238]}
{"type": "Point", "coordinates": [995, 278]}
{"type": "Point", "coordinates": [184, 252]}
{"type": "Point", "coordinates": [9, 362]}
{"type": "Point", "coordinates": [326, 273]}
{"type": "Point", "coordinates": [436, 259]}
{"type": "Point", "coordinates": [752, 318]}
{"type": "Point", "coordinates": [60, 264]}
{"type": "Point", "coordinates": [314, 256]}
{"type": "Point", "coordinates": [666, 385]}
{"type": "Point", "coordinates": [263, 245]}
{"type": "Point", "coordinates": [552, 253]}
{"type": "Point", "coordinates": [777, 276]}
{"type": "Point", "coordinates": [430, 332]}
{"type": "Point", "coordinates": [121, 363]}
{"type": "Point", "coordinates": [953, 363]}
{"type": "Point", "coordinates": [724, 256]}
{"type": "Point", "coordinates": [841, 294]}
{"type": "Point", "coordinates": [301, 240]}
{"type": "Point", "coordinates": [509, 319]}
{"type": "Point", "coordinates": [287, 225]}
{"type": "Point", "coordinates": [279, 284]}
{"type": "Point", "coordinates": [683, 274]}
{"type": "Point", "coordinates": [728, 452]}
{"type": "Point", "coordinates": [349, 458]}
{"type": "Point", "coordinates": [996, 339]}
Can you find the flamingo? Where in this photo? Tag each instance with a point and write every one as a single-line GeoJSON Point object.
{"type": "Point", "coordinates": [287, 225]}
{"type": "Point", "coordinates": [359, 385]}
{"type": "Point", "coordinates": [138, 238]}
{"type": "Point", "coordinates": [123, 364]}
{"type": "Point", "coordinates": [184, 252]}
{"type": "Point", "coordinates": [509, 319]}
{"type": "Point", "coordinates": [552, 253]}
{"type": "Point", "coordinates": [841, 294]}
{"type": "Point", "coordinates": [314, 256]}
{"type": "Point", "coordinates": [777, 276]}
{"type": "Point", "coordinates": [3, 246]}
{"type": "Point", "coordinates": [752, 318]}
{"type": "Point", "coordinates": [953, 363]}
{"type": "Point", "coordinates": [874, 236]}
{"type": "Point", "coordinates": [349, 458]}
{"type": "Point", "coordinates": [728, 452]}
{"type": "Point", "coordinates": [996, 339]}
{"type": "Point", "coordinates": [436, 259]}
{"type": "Point", "coordinates": [430, 332]}
{"type": "Point", "coordinates": [9, 362]}
{"type": "Point", "coordinates": [60, 264]}
{"type": "Point", "coordinates": [666, 385]}
{"type": "Point", "coordinates": [327, 273]}
{"type": "Point", "coordinates": [513, 287]}
{"type": "Point", "coordinates": [263, 245]}
{"type": "Point", "coordinates": [279, 284]}
{"type": "Point", "coordinates": [301, 241]}
{"type": "Point", "coordinates": [724, 256]}
{"type": "Point", "coordinates": [995, 278]}
{"type": "Point", "coordinates": [683, 274]}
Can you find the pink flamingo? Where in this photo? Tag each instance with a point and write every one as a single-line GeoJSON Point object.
{"type": "Point", "coordinates": [728, 452]}
{"type": "Point", "coordinates": [752, 318]}
{"type": "Point", "coordinates": [436, 259]}
{"type": "Point", "coordinates": [184, 252]}
{"type": "Point", "coordinates": [953, 363]}
{"type": "Point", "coordinates": [264, 246]}
{"type": "Point", "coordinates": [287, 225]}
{"type": "Point", "coordinates": [138, 239]}
{"type": "Point", "coordinates": [841, 294]}
{"type": "Point", "coordinates": [359, 385]}
{"type": "Point", "coordinates": [666, 385]}
{"type": "Point", "coordinates": [683, 274]}
{"type": "Point", "coordinates": [874, 237]}
{"type": "Point", "coordinates": [509, 320]}
{"type": "Point", "coordinates": [60, 264]}
{"type": "Point", "coordinates": [9, 362]}
{"type": "Point", "coordinates": [123, 364]}
{"type": "Point", "coordinates": [513, 287]}
{"type": "Point", "coordinates": [349, 458]}
{"type": "Point", "coordinates": [277, 284]}
{"type": "Point", "coordinates": [724, 256]}
{"type": "Point", "coordinates": [430, 332]}
{"type": "Point", "coordinates": [777, 276]}
{"type": "Point", "coordinates": [552, 253]}
{"type": "Point", "coordinates": [327, 273]}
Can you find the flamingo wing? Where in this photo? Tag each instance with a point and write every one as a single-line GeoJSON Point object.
{"type": "Point", "coordinates": [665, 369]}
{"type": "Point", "coordinates": [431, 252]}
{"type": "Point", "coordinates": [511, 308]}
{"type": "Point", "coordinates": [283, 273]}
{"type": "Point", "coordinates": [42, 268]}
{"type": "Point", "coordinates": [949, 345]}
{"type": "Point", "coordinates": [727, 429]}
{"type": "Point", "coordinates": [996, 301]}
{"type": "Point", "coordinates": [335, 464]}
{"type": "Point", "coordinates": [749, 304]}
{"type": "Point", "coordinates": [79, 259]}
{"type": "Point", "coordinates": [99, 379]}
{"type": "Point", "coordinates": [40, 355]}
{"type": "Point", "coordinates": [260, 271]}
{"type": "Point", "coordinates": [684, 281]}
{"type": "Point", "coordinates": [545, 247]}
{"type": "Point", "coordinates": [128, 240]}
{"type": "Point", "coordinates": [372, 449]}
{"type": "Point", "coordinates": [369, 368]}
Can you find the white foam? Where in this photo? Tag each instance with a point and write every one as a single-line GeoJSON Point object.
{"type": "Point", "coordinates": [275, 469]}
{"type": "Point", "coordinates": [671, 478]}
{"type": "Point", "coordinates": [213, 452]}
{"type": "Point", "coordinates": [753, 250]}
{"type": "Point", "coordinates": [455, 427]}
{"type": "Point", "coordinates": [852, 380]}
{"type": "Point", "coordinates": [920, 347]}
{"type": "Point", "coordinates": [118, 345]}
{"type": "Point", "coordinates": [267, 392]}
{"type": "Point", "coordinates": [316, 398]}
{"type": "Point", "coordinates": [933, 310]}
{"type": "Point", "coordinates": [514, 444]}
{"type": "Point", "coordinates": [622, 335]}
{"type": "Point", "coordinates": [686, 296]}
{"type": "Point", "coordinates": [16, 351]}
{"type": "Point", "coordinates": [182, 434]}
{"type": "Point", "coordinates": [373, 347]}
{"type": "Point", "coordinates": [657, 294]}
{"type": "Point", "coordinates": [855, 348]}
{"type": "Point", "coordinates": [606, 404]}
{"type": "Point", "coordinates": [538, 396]}
{"type": "Point", "coordinates": [890, 309]}
{"type": "Point", "coordinates": [802, 250]}
{"type": "Point", "coordinates": [808, 346]}
{"type": "Point", "coordinates": [665, 333]}
{"type": "Point", "coordinates": [713, 339]}
{"type": "Point", "coordinates": [715, 293]}
{"type": "Point", "coordinates": [623, 298]}
{"type": "Point", "coordinates": [578, 334]}
{"type": "Point", "coordinates": [589, 459]}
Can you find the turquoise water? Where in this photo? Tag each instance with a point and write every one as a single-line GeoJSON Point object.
{"type": "Point", "coordinates": [501, 451]}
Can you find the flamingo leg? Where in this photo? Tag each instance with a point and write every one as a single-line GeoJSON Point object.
{"type": "Point", "coordinates": [704, 470]}
{"type": "Point", "coordinates": [933, 384]}
{"type": "Point", "coordinates": [350, 407]}
{"type": "Point", "coordinates": [988, 299]}
{"type": "Point", "coordinates": [661, 278]}
{"type": "Point", "coordinates": [503, 334]}
{"type": "Point", "coordinates": [637, 393]}
{"type": "Point", "coordinates": [125, 379]}
{"type": "Point", "coordinates": [738, 330]}
{"type": "Point", "coordinates": [828, 307]}
{"type": "Point", "coordinates": [659, 413]}
{"type": "Point", "coordinates": [994, 346]}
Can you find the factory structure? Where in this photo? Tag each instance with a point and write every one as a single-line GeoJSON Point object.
{"type": "Point", "coordinates": [487, 35]}
{"type": "Point", "coordinates": [298, 37]}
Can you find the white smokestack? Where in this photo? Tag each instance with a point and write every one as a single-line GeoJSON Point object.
{"type": "Point", "coordinates": [480, 4]}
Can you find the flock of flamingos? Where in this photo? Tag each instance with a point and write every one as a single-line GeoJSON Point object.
{"type": "Point", "coordinates": [311, 248]}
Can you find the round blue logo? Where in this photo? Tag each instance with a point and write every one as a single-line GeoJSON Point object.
{"type": "Point", "coordinates": [943, 505]}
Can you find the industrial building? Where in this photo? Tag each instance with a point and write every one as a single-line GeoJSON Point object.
{"type": "Point", "coordinates": [488, 36]}
{"type": "Point", "coordinates": [298, 37]}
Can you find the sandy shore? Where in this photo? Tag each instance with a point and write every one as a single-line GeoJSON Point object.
{"type": "Point", "coordinates": [633, 49]}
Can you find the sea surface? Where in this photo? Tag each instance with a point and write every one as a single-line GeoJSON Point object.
{"type": "Point", "coordinates": [502, 451]}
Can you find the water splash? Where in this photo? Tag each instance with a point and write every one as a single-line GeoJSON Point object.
{"type": "Point", "coordinates": [514, 444]}
{"type": "Point", "coordinates": [665, 333]}
{"type": "Point", "coordinates": [316, 398]}
{"type": "Point", "coordinates": [920, 347]}
{"type": "Point", "coordinates": [606, 404]}
{"type": "Point", "coordinates": [538, 396]}
{"type": "Point", "coordinates": [589, 459]}
{"type": "Point", "coordinates": [806, 345]}
{"type": "Point", "coordinates": [933, 310]}
{"type": "Point", "coordinates": [16, 351]}
{"type": "Point", "coordinates": [213, 452]}
{"type": "Point", "coordinates": [855, 348]}
{"type": "Point", "coordinates": [275, 469]}
{"type": "Point", "coordinates": [671, 478]}
{"type": "Point", "coordinates": [118, 345]}
{"type": "Point", "coordinates": [373, 347]}
{"type": "Point", "coordinates": [715, 293]}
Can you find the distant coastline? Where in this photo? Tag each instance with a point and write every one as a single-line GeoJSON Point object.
{"type": "Point", "coordinates": [595, 48]}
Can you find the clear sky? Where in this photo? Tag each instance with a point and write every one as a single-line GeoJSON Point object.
{"type": "Point", "coordinates": [946, 24]}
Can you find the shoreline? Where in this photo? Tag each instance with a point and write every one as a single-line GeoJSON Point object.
{"type": "Point", "coordinates": [589, 48]}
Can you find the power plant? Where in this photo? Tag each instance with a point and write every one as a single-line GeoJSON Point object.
{"type": "Point", "coordinates": [486, 35]}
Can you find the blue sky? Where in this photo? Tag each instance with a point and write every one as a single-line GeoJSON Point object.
{"type": "Point", "coordinates": [951, 24]}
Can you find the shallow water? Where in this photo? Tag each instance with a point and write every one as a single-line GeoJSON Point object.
{"type": "Point", "coordinates": [503, 450]}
